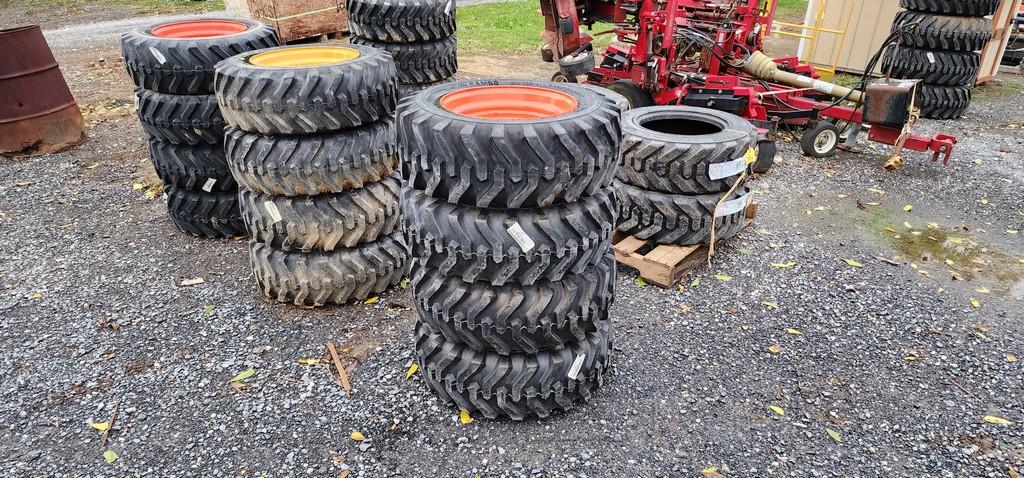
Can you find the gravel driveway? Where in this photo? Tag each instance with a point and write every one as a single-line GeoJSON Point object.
{"type": "Point", "coordinates": [887, 369]}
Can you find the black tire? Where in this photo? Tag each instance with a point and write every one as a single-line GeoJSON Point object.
{"type": "Point", "coordinates": [820, 140]}
{"type": "Point", "coordinates": [308, 165]}
{"type": "Point", "coordinates": [180, 119]}
{"type": "Point", "coordinates": [276, 101]}
{"type": "Point", "coordinates": [185, 66]}
{"type": "Point", "coordinates": [966, 8]}
{"type": "Point", "coordinates": [325, 222]}
{"type": "Point", "coordinates": [515, 319]}
{"type": "Point", "coordinates": [520, 385]}
{"type": "Point", "coordinates": [766, 152]}
{"type": "Point", "coordinates": [508, 164]}
{"type": "Point", "coordinates": [1014, 55]}
{"type": "Point", "coordinates": [402, 21]}
{"type": "Point", "coordinates": [479, 244]}
{"type": "Point", "coordinates": [205, 214]}
{"type": "Point", "coordinates": [420, 63]}
{"type": "Point", "coordinates": [195, 168]}
{"type": "Point", "coordinates": [409, 90]}
{"type": "Point", "coordinates": [674, 218]}
{"type": "Point", "coordinates": [637, 97]}
{"type": "Point", "coordinates": [939, 32]}
{"type": "Point", "coordinates": [314, 279]}
{"type": "Point", "coordinates": [680, 150]}
{"type": "Point", "coordinates": [951, 68]}
{"type": "Point", "coordinates": [945, 102]}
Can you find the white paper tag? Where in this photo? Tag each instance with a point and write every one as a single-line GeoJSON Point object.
{"type": "Point", "coordinates": [577, 364]}
{"type": "Point", "coordinates": [208, 186]}
{"type": "Point", "coordinates": [272, 210]}
{"type": "Point", "coordinates": [524, 241]}
{"type": "Point", "coordinates": [726, 169]}
{"type": "Point", "coordinates": [729, 208]}
{"type": "Point", "coordinates": [931, 57]}
{"type": "Point", "coordinates": [159, 56]}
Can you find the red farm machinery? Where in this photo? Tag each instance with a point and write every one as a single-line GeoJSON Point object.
{"type": "Point", "coordinates": [709, 53]}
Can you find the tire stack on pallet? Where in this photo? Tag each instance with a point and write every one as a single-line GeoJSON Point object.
{"type": "Point", "coordinates": [677, 164]}
{"type": "Point", "coordinates": [172, 65]}
{"type": "Point", "coordinates": [419, 34]}
{"type": "Point", "coordinates": [941, 51]}
{"type": "Point", "coordinates": [312, 145]}
{"type": "Point", "coordinates": [509, 212]}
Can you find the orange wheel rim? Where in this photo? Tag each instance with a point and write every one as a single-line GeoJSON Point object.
{"type": "Point", "coordinates": [304, 57]}
{"type": "Point", "coordinates": [199, 29]}
{"type": "Point", "coordinates": [509, 102]}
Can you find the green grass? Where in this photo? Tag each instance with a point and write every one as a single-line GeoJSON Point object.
{"type": "Point", "coordinates": [791, 10]}
{"type": "Point", "coordinates": [136, 6]}
{"type": "Point", "coordinates": [508, 27]}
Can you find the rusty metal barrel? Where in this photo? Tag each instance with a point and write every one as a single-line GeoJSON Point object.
{"type": "Point", "coordinates": [38, 115]}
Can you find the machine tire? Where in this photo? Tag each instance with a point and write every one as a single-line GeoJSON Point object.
{"type": "Point", "coordinates": [947, 33]}
{"type": "Point", "coordinates": [766, 152]}
{"type": "Point", "coordinates": [420, 63]}
{"type": "Point", "coordinates": [205, 214]}
{"type": "Point", "coordinates": [515, 319]}
{"type": "Point", "coordinates": [519, 385]}
{"type": "Point", "coordinates": [324, 222]}
{"type": "Point", "coordinates": [481, 244]}
{"type": "Point", "coordinates": [180, 119]}
{"type": "Point", "coordinates": [402, 21]}
{"type": "Point", "coordinates": [945, 102]}
{"type": "Point", "coordinates": [195, 168]}
{"type": "Point", "coordinates": [951, 68]}
{"type": "Point", "coordinates": [965, 8]}
{"type": "Point", "coordinates": [810, 140]}
{"type": "Point", "coordinates": [675, 218]}
{"type": "Point", "coordinates": [307, 100]}
{"type": "Point", "coordinates": [308, 165]}
{"type": "Point", "coordinates": [637, 97]}
{"type": "Point", "coordinates": [314, 279]}
{"type": "Point", "coordinates": [508, 164]}
{"type": "Point", "coordinates": [681, 162]}
{"type": "Point", "coordinates": [185, 66]}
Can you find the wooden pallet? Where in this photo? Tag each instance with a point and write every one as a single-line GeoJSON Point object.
{"type": "Point", "coordinates": [664, 265]}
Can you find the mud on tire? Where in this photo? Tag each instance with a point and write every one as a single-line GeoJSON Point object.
{"type": "Point", "coordinates": [936, 67]}
{"type": "Point", "coordinates": [940, 32]}
{"type": "Point", "coordinates": [324, 222]}
{"type": "Point", "coordinates": [312, 164]}
{"type": "Point", "coordinates": [509, 246]}
{"type": "Point", "coordinates": [518, 385]}
{"type": "Point", "coordinates": [673, 218]}
{"type": "Point", "coordinates": [195, 168]}
{"type": "Point", "coordinates": [185, 66]}
{"type": "Point", "coordinates": [674, 150]}
{"type": "Point", "coordinates": [503, 163]}
{"type": "Point", "coordinates": [513, 319]}
{"type": "Point", "coordinates": [282, 101]}
{"type": "Point", "coordinates": [402, 21]}
{"type": "Point", "coordinates": [318, 278]}
{"type": "Point", "coordinates": [420, 63]}
{"type": "Point", "coordinates": [180, 119]}
{"type": "Point", "coordinates": [205, 214]}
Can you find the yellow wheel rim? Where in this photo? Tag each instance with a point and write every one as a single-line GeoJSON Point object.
{"type": "Point", "coordinates": [304, 57]}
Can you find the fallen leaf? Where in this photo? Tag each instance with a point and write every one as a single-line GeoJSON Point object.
{"type": "Point", "coordinates": [711, 472]}
{"type": "Point", "coordinates": [137, 186]}
{"type": "Point", "coordinates": [876, 190]}
{"type": "Point", "coordinates": [1013, 472]}
{"type": "Point", "coordinates": [309, 361]}
{"type": "Point", "coordinates": [770, 305]}
{"type": "Point", "coordinates": [209, 310]}
{"type": "Point", "coordinates": [35, 296]}
{"type": "Point", "coordinates": [745, 251]}
{"type": "Point", "coordinates": [101, 426]}
{"type": "Point", "coordinates": [357, 436]}
{"type": "Point", "coordinates": [372, 300]}
{"type": "Point", "coordinates": [842, 196]}
{"type": "Point", "coordinates": [819, 208]}
{"type": "Point", "coordinates": [977, 161]}
{"type": "Point", "coordinates": [640, 282]}
{"type": "Point", "coordinates": [723, 277]}
{"type": "Point", "coordinates": [975, 303]}
{"type": "Point", "coordinates": [784, 265]}
{"type": "Point", "coordinates": [404, 284]}
{"type": "Point", "coordinates": [191, 282]}
{"type": "Point", "coordinates": [93, 166]}
{"type": "Point", "coordinates": [908, 208]}
{"type": "Point", "coordinates": [834, 434]}
{"type": "Point", "coordinates": [109, 456]}
{"type": "Point", "coordinates": [889, 229]}
{"type": "Point", "coordinates": [984, 200]}
{"type": "Point", "coordinates": [776, 348]}
{"type": "Point", "coordinates": [907, 225]}
{"type": "Point", "coordinates": [1011, 358]}
{"type": "Point", "coordinates": [933, 225]}
{"type": "Point", "coordinates": [696, 282]}
{"type": "Point", "coordinates": [982, 290]}
{"type": "Point", "coordinates": [464, 417]}
{"type": "Point", "coordinates": [244, 374]}
{"type": "Point", "coordinates": [412, 370]}
{"type": "Point", "coordinates": [994, 420]}
{"type": "Point", "coordinates": [853, 263]}
{"type": "Point", "coordinates": [794, 332]}
{"type": "Point", "coordinates": [777, 410]}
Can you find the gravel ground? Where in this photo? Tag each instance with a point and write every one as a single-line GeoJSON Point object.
{"type": "Point", "coordinates": [898, 364]}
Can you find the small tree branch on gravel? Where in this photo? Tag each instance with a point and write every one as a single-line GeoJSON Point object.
{"type": "Point", "coordinates": [342, 374]}
{"type": "Point", "coordinates": [113, 418]}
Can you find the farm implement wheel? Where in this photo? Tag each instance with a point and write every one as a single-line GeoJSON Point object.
{"type": "Point", "coordinates": [821, 140]}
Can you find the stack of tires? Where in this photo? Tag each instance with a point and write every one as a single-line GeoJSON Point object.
{"type": "Point", "coordinates": [419, 34]}
{"type": "Point", "coordinates": [509, 212]}
{"type": "Point", "coordinates": [312, 145]}
{"type": "Point", "coordinates": [677, 163]}
{"type": "Point", "coordinates": [172, 65]}
{"type": "Point", "coordinates": [941, 50]}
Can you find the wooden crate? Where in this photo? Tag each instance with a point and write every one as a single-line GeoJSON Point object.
{"type": "Point", "coordinates": [664, 265]}
{"type": "Point", "coordinates": [297, 20]}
